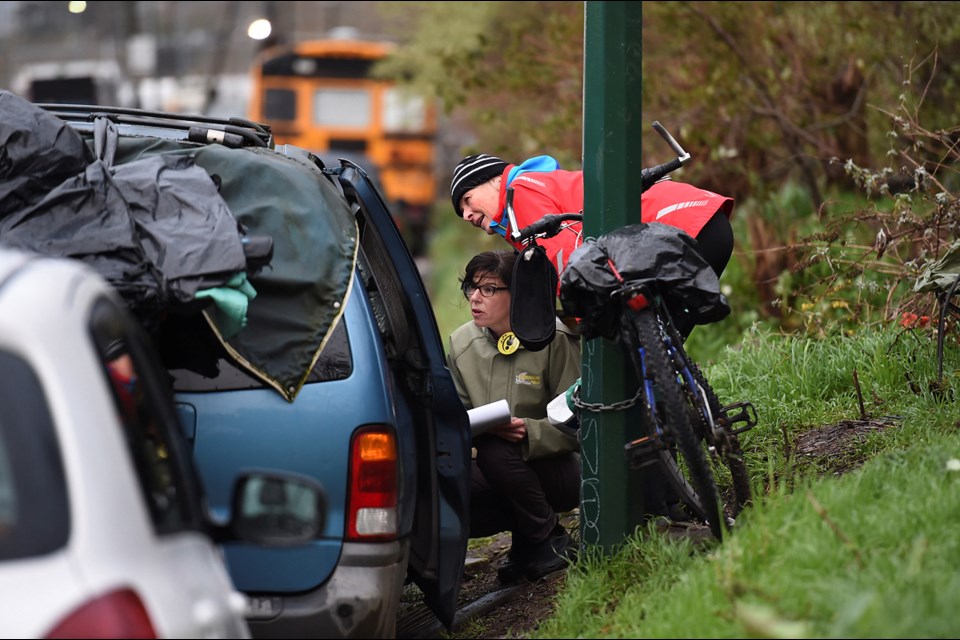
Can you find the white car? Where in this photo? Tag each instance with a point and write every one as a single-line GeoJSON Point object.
{"type": "Point", "coordinates": [104, 531]}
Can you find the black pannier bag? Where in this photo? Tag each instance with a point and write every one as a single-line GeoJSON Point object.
{"type": "Point", "coordinates": [533, 299]}
{"type": "Point", "coordinates": [660, 256]}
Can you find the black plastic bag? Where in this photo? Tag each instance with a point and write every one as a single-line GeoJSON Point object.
{"type": "Point", "coordinates": [156, 228]}
{"type": "Point", "coordinates": [38, 151]}
{"type": "Point", "coordinates": [660, 256]}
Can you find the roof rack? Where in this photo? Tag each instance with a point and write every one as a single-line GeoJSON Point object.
{"type": "Point", "coordinates": [198, 127]}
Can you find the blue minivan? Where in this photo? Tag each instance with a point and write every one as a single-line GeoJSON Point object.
{"type": "Point", "coordinates": [333, 369]}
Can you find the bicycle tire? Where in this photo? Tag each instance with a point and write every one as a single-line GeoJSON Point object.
{"type": "Point", "coordinates": [693, 479]}
{"type": "Point", "coordinates": [725, 449]}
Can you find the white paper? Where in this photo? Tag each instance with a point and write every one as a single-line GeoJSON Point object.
{"type": "Point", "coordinates": [487, 416]}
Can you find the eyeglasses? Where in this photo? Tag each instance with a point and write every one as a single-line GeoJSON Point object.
{"type": "Point", "coordinates": [487, 290]}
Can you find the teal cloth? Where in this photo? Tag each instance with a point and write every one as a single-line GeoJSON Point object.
{"type": "Point", "coordinates": [230, 304]}
{"type": "Point", "coordinates": [286, 197]}
{"type": "Point", "coordinates": [569, 395]}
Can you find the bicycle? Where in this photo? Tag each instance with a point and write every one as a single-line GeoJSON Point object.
{"type": "Point", "coordinates": [686, 431]}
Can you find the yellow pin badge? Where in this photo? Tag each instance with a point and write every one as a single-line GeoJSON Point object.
{"type": "Point", "coordinates": [508, 343]}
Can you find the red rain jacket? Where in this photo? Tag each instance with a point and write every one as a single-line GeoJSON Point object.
{"type": "Point", "coordinates": [538, 193]}
{"type": "Point", "coordinates": [682, 205]}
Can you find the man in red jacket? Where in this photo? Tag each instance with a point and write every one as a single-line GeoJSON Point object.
{"type": "Point", "coordinates": [479, 193]}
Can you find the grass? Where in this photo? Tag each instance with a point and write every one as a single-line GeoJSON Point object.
{"type": "Point", "coordinates": [871, 553]}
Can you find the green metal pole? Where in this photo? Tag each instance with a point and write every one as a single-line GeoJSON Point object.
{"type": "Point", "coordinates": [612, 495]}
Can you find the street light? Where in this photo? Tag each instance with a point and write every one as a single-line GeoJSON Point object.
{"type": "Point", "coordinates": [260, 29]}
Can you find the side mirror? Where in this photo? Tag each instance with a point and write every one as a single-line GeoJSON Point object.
{"type": "Point", "coordinates": [277, 509]}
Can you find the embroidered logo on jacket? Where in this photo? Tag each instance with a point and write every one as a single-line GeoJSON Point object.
{"type": "Point", "coordinates": [529, 379]}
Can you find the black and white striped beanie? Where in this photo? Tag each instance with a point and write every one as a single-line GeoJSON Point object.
{"type": "Point", "coordinates": [472, 172]}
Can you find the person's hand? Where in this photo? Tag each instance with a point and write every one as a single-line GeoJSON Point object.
{"type": "Point", "coordinates": [513, 431]}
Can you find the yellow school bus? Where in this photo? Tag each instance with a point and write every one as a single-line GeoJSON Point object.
{"type": "Point", "coordinates": [319, 95]}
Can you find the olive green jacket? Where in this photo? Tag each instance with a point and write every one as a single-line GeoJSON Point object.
{"type": "Point", "coordinates": [528, 380]}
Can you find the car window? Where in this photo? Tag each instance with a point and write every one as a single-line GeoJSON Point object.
{"type": "Point", "coordinates": [198, 362]}
{"type": "Point", "coordinates": [145, 406]}
{"type": "Point", "coordinates": [34, 509]}
{"type": "Point", "coordinates": [385, 293]}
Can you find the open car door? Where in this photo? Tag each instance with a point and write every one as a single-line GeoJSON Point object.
{"type": "Point", "coordinates": [433, 409]}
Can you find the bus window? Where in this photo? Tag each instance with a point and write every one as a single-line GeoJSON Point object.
{"type": "Point", "coordinates": [403, 113]}
{"type": "Point", "coordinates": [280, 104]}
{"type": "Point", "coordinates": [341, 108]}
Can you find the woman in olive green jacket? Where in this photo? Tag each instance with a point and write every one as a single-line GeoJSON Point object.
{"type": "Point", "coordinates": [526, 470]}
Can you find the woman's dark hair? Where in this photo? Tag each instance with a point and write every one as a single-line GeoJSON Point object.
{"type": "Point", "coordinates": [498, 263]}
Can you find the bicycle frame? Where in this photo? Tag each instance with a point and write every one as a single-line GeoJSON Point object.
{"type": "Point", "coordinates": [636, 298]}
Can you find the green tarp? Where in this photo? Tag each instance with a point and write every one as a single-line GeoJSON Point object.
{"type": "Point", "coordinates": [301, 295]}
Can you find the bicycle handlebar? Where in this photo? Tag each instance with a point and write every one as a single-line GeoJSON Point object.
{"type": "Point", "coordinates": [652, 174]}
{"type": "Point", "coordinates": [549, 225]}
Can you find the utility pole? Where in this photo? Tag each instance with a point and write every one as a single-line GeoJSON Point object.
{"type": "Point", "coordinates": [612, 498]}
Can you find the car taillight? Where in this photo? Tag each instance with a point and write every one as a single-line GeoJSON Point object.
{"type": "Point", "coordinates": [118, 614]}
{"type": "Point", "coordinates": [372, 499]}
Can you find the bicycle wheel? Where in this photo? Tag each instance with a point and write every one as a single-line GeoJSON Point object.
{"type": "Point", "coordinates": [722, 445]}
{"type": "Point", "coordinates": [668, 421]}
{"type": "Point", "coordinates": [732, 479]}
